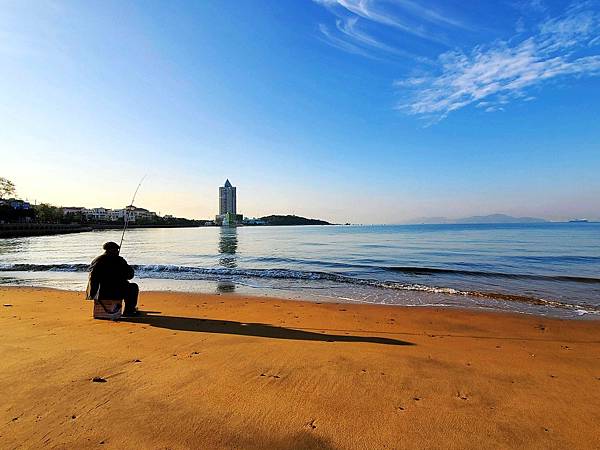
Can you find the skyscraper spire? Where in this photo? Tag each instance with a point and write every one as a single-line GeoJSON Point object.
{"type": "Point", "coordinates": [227, 183]}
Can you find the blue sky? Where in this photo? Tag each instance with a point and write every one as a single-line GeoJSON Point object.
{"type": "Point", "coordinates": [363, 111]}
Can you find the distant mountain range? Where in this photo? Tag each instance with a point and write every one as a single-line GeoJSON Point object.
{"type": "Point", "coordinates": [492, 218]}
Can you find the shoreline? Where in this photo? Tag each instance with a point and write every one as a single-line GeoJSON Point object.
{"type": "Point", "coordinates": [235, 371]}
{"type": "Point", "coordinates": [295, 296]}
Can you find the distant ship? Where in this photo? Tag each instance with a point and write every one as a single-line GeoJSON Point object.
{"type": "Point", "coordinates": [578, 221]}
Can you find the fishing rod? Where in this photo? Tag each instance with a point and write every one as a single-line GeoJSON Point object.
{"type": "Point", "coordinates": [126, 214]}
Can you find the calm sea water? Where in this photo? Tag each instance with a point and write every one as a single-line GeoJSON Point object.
{"type": "Point", "coordinates": [551, 269]}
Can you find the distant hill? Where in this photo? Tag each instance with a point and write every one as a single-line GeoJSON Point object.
{"type": "Point", "coordinates": [492, 218]}
{"type": "Point", "coordinates": [292, 220]}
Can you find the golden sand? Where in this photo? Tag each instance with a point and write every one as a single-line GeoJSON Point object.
{"type": "Point", "coordinates": [228, 371]}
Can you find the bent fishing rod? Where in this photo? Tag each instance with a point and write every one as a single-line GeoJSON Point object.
{"type": "Point", "coordinates": [126, 213]}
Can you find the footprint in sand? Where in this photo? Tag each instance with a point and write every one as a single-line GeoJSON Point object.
{"type": "Point", "coordinates": [401, 408]}
{"type": "Point", "coordinates": [462, 396]}
{"type": "Point", "coordinates": [312, 424]}
{"type": "Point", "coordinates": [99, 380]}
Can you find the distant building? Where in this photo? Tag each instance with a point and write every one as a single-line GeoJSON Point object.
{"type": "Point", "coordinates": [16, 203]}
{"type": "Point", "coordinates": [254, 221]}
{"type": "Point", "coordinates": [73, 210]}
{"type": "Point", "coordinates": [228, 215]}
{"type": "Point", "coordinates": [227, 199]}
{"type": "Point", "coordinates": [134, 213]}
{"type": "Point", "coordinates": [100, 214]}
{"type": "Point", "coordinates": [97, 214]}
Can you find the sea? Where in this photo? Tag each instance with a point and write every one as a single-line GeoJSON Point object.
{"type": "Point", "coordinates": [550, 269]}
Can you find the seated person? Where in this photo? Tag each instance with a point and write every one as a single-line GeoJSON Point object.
{"type": "Point", "coordinates": [108, 280]}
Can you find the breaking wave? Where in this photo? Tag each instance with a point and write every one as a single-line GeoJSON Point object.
{"type": "Point", "coordinates": [474, 273]}
{"type": "Point", "coordinates": [161, 271]}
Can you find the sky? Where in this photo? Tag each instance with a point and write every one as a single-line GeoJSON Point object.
{"type": "Point", "coordinates": [362, 111]}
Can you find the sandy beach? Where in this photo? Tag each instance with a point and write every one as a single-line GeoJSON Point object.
{"type": "Point", "coordinates": [228, 371]}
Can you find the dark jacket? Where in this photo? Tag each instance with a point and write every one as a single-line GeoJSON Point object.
{"type": "Point", "coordinates": [108, 277]}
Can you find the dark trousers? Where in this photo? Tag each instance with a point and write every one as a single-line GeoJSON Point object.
{"type": "Point", "coordinates": [130, 295]}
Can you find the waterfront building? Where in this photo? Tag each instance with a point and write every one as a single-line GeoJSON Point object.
{"type": "Point", "coordinates": [228, 215]}
{"type": "Point", "coordinates": [16, 203]}
{"type": "Point", "coordinates": [73, 210]}
{"type": "Point", "coordinates": [227, 199]}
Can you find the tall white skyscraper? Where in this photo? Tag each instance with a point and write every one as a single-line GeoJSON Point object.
{"type": "Point", "coordinates": [227, 199]}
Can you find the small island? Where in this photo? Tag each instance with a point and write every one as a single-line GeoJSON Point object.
{"type": "Point", "coordinates": [291, 220]}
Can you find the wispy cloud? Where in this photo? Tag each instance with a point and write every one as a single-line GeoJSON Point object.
{"type": "Point", "coordinates": [430, 14]}
{"type": "Point", "coordinates": [491, 76]}
{"type": "Point", "coordinates": [336, 41]}
{"type": "Point", "coordinates": [350, 37]}
{"type": "Point", "coordinates": [374, 11]}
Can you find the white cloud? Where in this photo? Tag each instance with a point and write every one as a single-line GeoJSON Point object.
{"type": "Point", "coordinates": [373, 11]}
{"type": "Point", "coordinates": [341, 44]}
{"type": "Point", "coordinates": [349, 37]}
{"type": "Point", "coordinates": [503, 71]}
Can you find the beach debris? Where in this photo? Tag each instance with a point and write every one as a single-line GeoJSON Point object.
{"type": "Point", "coordinates": [270, 376]}
{"type": "Point", "coordinates": [99, 380]}
{"type": "Point", "coordinates": [400, 408]}
{"type": "Point", "coordinates": [416, 399]}
{"type": "Point", "coordinates": [462, 396]}
{"type": "Point", "coordinates": [73, 417]}
{"type": "Point", "coordinates": [137, 360]}
{"type": "Point", "coordinates": [7, 305]}
{"type": "Point", "coordinates": [312, 424]}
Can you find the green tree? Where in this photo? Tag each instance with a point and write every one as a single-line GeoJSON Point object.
{"type": "Point", "coordinates": [46, 213]}
{"type": "Point", "coordinates": [7, 188]}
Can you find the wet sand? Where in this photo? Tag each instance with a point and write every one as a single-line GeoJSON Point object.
{"type": "Point", "coordinates": [227, 371]}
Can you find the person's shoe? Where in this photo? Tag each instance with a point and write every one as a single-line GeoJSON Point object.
{"type": "Point", "coordinates": [134, 313]}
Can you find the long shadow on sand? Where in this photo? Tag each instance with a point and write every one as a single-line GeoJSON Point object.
{"type": "Point", "coordinates": [250, 329]}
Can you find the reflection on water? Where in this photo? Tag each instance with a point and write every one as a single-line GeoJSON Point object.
{"type": "Point", "coordinates": [228, 244]}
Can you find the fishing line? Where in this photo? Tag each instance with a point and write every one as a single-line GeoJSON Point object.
{"type": "Point", "coordinates": [126, 214]}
